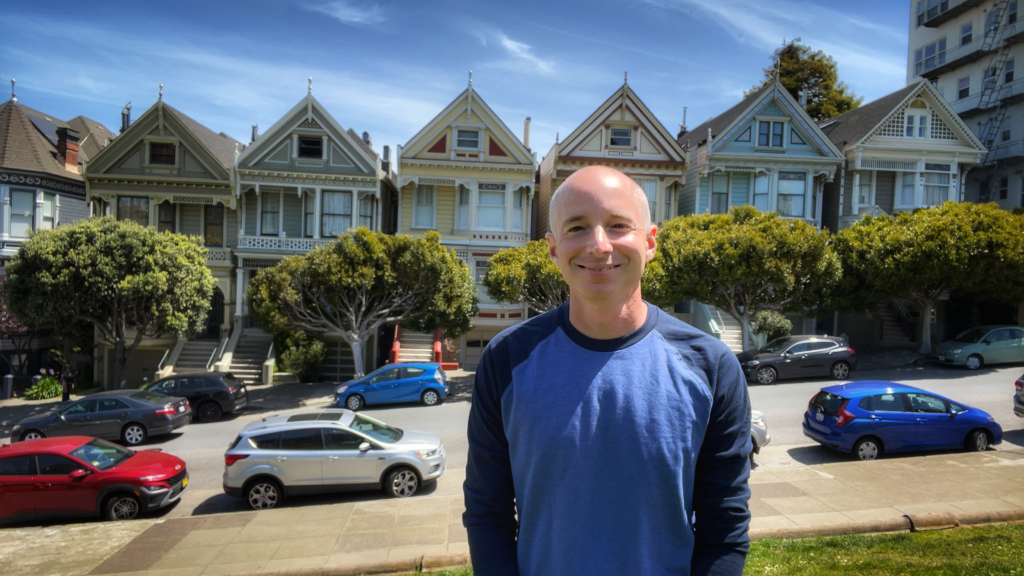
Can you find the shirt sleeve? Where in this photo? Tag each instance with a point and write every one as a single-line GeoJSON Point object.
{"type": "Point", "coordinates": [720, 494]}
{"type": "Point", "coordinates": [490, 516]}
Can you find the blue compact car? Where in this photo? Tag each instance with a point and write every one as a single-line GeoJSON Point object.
{"type": "Point", "coordinates": [871, 418]}
{"type": "Point", "coordinates": [422, 382]}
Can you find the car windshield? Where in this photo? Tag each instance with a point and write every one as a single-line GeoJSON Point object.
{"type": "Point", "coordinates": [376, 429]}
{"type": "Point", "coordinates": [972, 336]}
{"type": "Point", "coordinates": [777, 345]}
{"type": "Point", "coordinates": [103, 455]}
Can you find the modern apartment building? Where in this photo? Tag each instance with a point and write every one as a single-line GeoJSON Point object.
{"type": "Point", "coordinates": [968, 50]}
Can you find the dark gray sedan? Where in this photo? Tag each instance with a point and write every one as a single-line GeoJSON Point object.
{"type": "Point", "coordinates": [130, 416]}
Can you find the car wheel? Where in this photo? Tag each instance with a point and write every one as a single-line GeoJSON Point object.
{"type": "Point", "coordinates": [974, 362]}
{"type": "Point", "coordinates": [263, 494]}
{"type": "Point", "coordinates": [133, 434]}
{"type": "Point", "coordinates": [402, 483]}
{"type": "Point", "coordinates": [766, 375]}
{"type": "Point", "coordinates": [209, 412]}
{"type": "Point", "coordinates": [431, 398]}
{"type": "Point", "coordinates": [868, 449]}
{"type": "Point", "coordinates": [840, 370]}
{"type": "Point", "coordinates": [121, 507]}
{"type": "Point", "coordinates": [354, 402]}
{"type": "Point", "coordinates": [977, 441]}
{"type": "Point", "coordinates": [32, 435]}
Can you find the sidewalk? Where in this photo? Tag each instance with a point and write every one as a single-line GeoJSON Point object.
{"type": "Point", "coordinates": [792, 486]}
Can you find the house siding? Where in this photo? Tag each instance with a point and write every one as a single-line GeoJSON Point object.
{"type": "Point", "coordinates": [740, 188]}
{"type": "Point", "coordinates": [702, 206]}
{"type": "Point", "coordinates": [885, 187]}
{"type": "Point", "coordinates": [231, 222]}
{"type": "Point", "coordinates": [72, 210]}
{"type": "Point", "coordinates": [251, 200]}
{"type": "Point", "coordinates": [688, 197]}
{"type": "Point", "coordinates": [292, 217]}
{"type": "Point", "coordinates": [191, 219]}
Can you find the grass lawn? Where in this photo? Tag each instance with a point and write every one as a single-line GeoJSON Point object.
{"type": "Point", "coordinates": [977, 551]}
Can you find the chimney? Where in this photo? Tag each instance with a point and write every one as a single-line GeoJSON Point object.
{"type": "Point", "coordinates": [803, 96]}
{"type": "Point", "coordinates": [67, 148]}
{"type": "Point", "coordinates": [526, 133]}
{"type": "Point", "coordinates": [255, 132]}
{"type": "Point", "coordinates": [366, 138]}
{"type": "Point", "coordinates": [126, 116]}
{"type": "Point", "coordinates": [386, 162]}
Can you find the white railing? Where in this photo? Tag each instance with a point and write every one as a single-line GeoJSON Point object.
{"type": "Point", "coordinates": [217, 355]}
{"type": "Point", "coordinates": [704, 320]}
{"type": "Point", "coordinates": [283, 244]}
{"type": "Point", "coordinates": [218, 256]}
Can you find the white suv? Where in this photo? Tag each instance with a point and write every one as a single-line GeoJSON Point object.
{"type": "Point", "coordinates": [327, 451]}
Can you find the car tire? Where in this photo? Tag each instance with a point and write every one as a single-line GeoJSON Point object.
{"type": "Point", "coordinates": [974, 362]}
{"type": "Point", "coordinates": [355, 402]}
{"type": "Point", "coordinates": [868, 449]}
{"type": "Point", "coordinates": [402, 483]}
{"type": "Point", "coordinates": [430, 397]}
{"type": "Point", "coordinates": [32, 435]}
{"type": "Point", "coordinates": [121, 506]}
{"type": "Point", "coordinates": [263, 494]}
{"type": "Point", "coordinates": [840, 370]}
{"type": "Point", "coordinates": [766, 375]}
{"type": "Point", "coordinates": [133, 434]}
{"type": "Point", "coordinates": [209, 411]}
{"type": "Point", "coordinates": [977, 441]}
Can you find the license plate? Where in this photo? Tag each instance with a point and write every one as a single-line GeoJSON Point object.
{"type": "Point", "coordinates": [181, 409]}
{"type": "Point", "coordinates": [184, 482]}
{"type": "Point", "coordinates": [819, 416]}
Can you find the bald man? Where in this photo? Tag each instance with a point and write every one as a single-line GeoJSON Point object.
{"type": "Point", "coordinates": [607, 437]}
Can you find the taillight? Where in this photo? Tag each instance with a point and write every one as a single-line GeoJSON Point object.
{"type": "Point", "coordinates": [230, 459]}
{"type": "Point", "coordinates": [166, 410]}
{"type": "Point", "coordinates": [232, 390]}
{"type": "Point", "coordinates": [1019, 385]}
{"type": "Point", "coordinates": [844, 415]}
{"type": "Point", "coordinates": [852, 351]}
{"type": "Point", "coordinates": [187, 406]}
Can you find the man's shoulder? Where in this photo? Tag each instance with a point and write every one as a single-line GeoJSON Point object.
{"type": "Point", "coordinates": [525, 335]}
{"type": "Point", "coordinates": [703, 351]}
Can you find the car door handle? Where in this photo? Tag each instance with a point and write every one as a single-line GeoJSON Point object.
{"type": "Point", "coordinates": [332, 457]}
{"type": "Point", "coordinates": [42, 484]}
{"type": "Point", "coordinates": [282, 458]}
{"type": "Point", "coordinates": [922, 419]}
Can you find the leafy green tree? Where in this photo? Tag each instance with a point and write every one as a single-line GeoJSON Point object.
{"type": "Point", "coordinates": [797, 66]}
{"type": "Point", "coordinates": [772, 324]}
{"type": "Point", "coordinates": [128, 281]}
{"type": "Point", "coordinates": [299, 353]}
{"type": "Point", "coordinates": [972, 249]}
{"type": "Point", "coordinates": [350, 288]}
{"type": "Point", "coordinates": [744, 262]}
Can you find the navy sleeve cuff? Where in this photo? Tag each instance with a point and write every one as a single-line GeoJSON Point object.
{"type": "Point", "coordinates": [717, 561]}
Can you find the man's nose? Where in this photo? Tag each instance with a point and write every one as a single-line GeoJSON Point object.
{"type": "Point", "coordinates": [599, 243]}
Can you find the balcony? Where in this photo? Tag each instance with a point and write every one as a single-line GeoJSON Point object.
{"type": "Point", "coordinates": [281, 244]}
{"type": "Point", "coordinates": [1004, 151]}
{"type": "Point", "coordinates": [219, 257]}
{"type": "Point", "coordinates": [945, 11]}
{"type": "Point", "coordinates": [953, 58]}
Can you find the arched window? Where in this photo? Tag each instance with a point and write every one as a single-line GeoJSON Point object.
{"type": "Point", "coordinates": [917, 116]}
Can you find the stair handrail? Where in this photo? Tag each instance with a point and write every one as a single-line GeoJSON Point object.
{"type": "Point", "coordinates": [160, 366]}
{"type": "Point", "coordinates": [703, 311]}
{"type": "Point", "coordinates": [905, 319]}
{"type": "Point", "coordinates": [271, 351]}
{"type": "Point", "coordinates": [215, 353]}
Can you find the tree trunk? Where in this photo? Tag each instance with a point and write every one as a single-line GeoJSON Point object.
{"type": "Point", "coordinates": [926, 326]}
{"type": "Point", "coordinates": [120, 365]}
{"type": "Point", "coordinates": [357, 357]}
{"type": "Point", "coordinates": [745, 325]}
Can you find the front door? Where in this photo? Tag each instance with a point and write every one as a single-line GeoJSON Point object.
{"type": "Point", "coordinates": [215, 318]}
{"type": "Point", "coordinates": [55, 492]}
{"type": "Point", "coordinates": [110, 414]}
{"type": "Point", "coordinates": [344, 463]}
{"type": "Point", "coordinates": [298, 457]}
{"type": "Point", "coordinates": [16, 487]}
{"type": "Point", "coordinates": [76, 420]}
{"type": "Point", "coordinates": [935, 426]}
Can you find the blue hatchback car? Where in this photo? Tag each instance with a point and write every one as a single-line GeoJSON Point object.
{"type": "Point", "coordinates": [871, 418]}
{"type": "Point", "coordinates": [425, 382]}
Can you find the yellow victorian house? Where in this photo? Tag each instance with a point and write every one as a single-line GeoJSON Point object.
{"type": "Point", "coordinates": [470, 178]}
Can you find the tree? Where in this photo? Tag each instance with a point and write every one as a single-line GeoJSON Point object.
{"type": "Point", "coordinates": [744, 262]}
{"type": "Point", "coordinates": [972, 249]}
{"type": "Point", "coordinates": [118, 276]}
{"type": "Point", "coordinates": [797, 66]}
{"type": "Point", "coordinates": [352, 287]}
{"type": "Point", "coordinates": [19, 334]}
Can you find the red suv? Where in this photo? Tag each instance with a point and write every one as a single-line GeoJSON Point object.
{"type": "Point", "coordinates": [83, 476]}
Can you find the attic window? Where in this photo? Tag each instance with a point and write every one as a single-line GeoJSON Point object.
{"type": "Point", "coordinates": [311, 148]}
{"type": "Point", "coordinates": [794, 137]}
{"type": "Point", "coordinates": [468, 139]}
{"type": "Point", "coordinates": [161, 153]}
{"type": "Point", "coordinates": [745, 137]}
{"type": "Point", "coordinates": [622, 137]}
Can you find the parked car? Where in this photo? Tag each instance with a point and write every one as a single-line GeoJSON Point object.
{"type": "Point", "coordinates": [1018, 397]}
{"type": "Point", "coordinates": [327, 451]}
{"type": "Point", "coordinates": [799, 357]}
{"type": "Point", "coordinates": [872, 418]}
{"type": "Point", "coordinates": [425, 382]}
{"type": "Point", "coordinates": [983, 345]}
{"type": "Point", "coordinates": [211, 393]}
{"type": "Point", "coordinates": [130, 416]}
{"type": "Point", "coordinates": [82, 476]}
{"type": "Point", "coordinates": [758, 432]}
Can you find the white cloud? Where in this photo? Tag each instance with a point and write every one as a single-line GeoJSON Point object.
{"type": "Point", "coordinates": [521, 57]}
{"type": "Point", "coordinates": [350, 12]}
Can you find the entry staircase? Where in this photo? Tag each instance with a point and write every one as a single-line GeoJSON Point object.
{"type": "Point", "coordinates": [250, 354]}
{"type": "Point", "coordinates": [893, 334]}
{"type": "Point", "coordinates": [416, 346]}
{"type": "Point", "coordinates": [731, 330]}
{"type": "Point", "coordinates": [195, 356]}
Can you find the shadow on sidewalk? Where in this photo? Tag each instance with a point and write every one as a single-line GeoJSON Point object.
{"type": "Point", "coordinates": [222, 503]}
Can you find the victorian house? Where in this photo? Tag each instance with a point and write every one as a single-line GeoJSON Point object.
{"type": "Point", "coordinates": [470, 178]}
{"type": "Point", "coordinates": [623, 134]}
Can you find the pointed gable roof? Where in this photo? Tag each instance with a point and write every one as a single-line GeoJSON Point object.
{"type": "Point", "coordinates": [23, 145]}
{"type": "Point", "coordinates": [621, 97]}
{"type": "Point", "coordinates": [221, 145]}
{"type": "Point", "coordinates": [718, 124]}
{"type": "Point", "coordinates": [91, 136]}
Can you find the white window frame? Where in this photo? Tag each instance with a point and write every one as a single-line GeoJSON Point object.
{"type": "Point", "coordinates": [504, 206]}
{"type": "Point", "coordinates": [784, 122]}
{"type": "Point", "coordinates": [611, 134]}
{"type": "Point", "coordinates": [362, 200]}
{"type": "Point", "coordinates": [803, 196]}
{"type": "Point", "coordinates": [479, 138]}
{"type": "Point", "coordinates": [711, 192]}
{"type": "Point", "coordinates": [918, 122]}
{"type": "Point", "coordinates": [351, 210]}
{"type": "Point", "coordinates": [959, 88]}
{"type": "Point", "coordinates": [767, 191]}
{"type": "Point", "coordinates": [160, 140]}
{"type": "Point", "coordinates": [920, 55]}
{"type": "Point", "coordinates": [482, 264]}
{"type": "Point", "coordinates": [967, 33]}
{"type": "Point", "coordinates": [463, 212]}
{"type": "Point", "coordinates": [1008, 69]}
{"type": "Point", "coordinates": [53, 212]}
{"type": "Point", "coordinates": [418, 225]}
{"type": "Point", "coordinates": [278, 211]}
{"type": "Point", "coordinates": [519, 209]}
{"type": "Point", "coordinates": [31, 215]}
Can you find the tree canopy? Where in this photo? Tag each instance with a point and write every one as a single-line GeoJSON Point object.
{"type": "Point", "coordinates": [796, 66]}
{"type": "Point", "coordinates": [118, 276]}
{"type": "Point", "coordinates": [744, 262]}
{"type": "Point", "coordinates": [352, 287]}
{"type": "Point", "coordinates": [972, 249]}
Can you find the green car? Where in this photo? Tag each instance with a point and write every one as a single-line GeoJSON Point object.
{"type": "Point", "coordinates": [983, 345]}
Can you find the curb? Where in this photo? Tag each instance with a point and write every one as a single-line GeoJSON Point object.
{"type": "Point", "coordinates": [425, 563]}
{"type": "Point", "coordinates": [908, 523]}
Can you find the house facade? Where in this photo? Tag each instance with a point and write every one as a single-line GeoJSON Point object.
{"type": "Point", "coordinates": [470, 178]}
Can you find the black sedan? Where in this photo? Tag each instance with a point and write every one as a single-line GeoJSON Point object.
{"type": "Point", "coordinates": [130, 416]}
{"type": "Point", "coordinates": [799, 357]}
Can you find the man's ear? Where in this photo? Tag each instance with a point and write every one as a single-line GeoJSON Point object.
{"type": "Point", "coordinates": [551, 246]}
{"type": "Point", "coordinates": [652, 243]}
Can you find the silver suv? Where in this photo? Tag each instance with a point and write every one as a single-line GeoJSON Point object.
{"type": "Point", "coordinates": [327, 451]}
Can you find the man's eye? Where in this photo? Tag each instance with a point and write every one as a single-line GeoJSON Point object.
{"type": "Point", "coordinates": [575, 229]}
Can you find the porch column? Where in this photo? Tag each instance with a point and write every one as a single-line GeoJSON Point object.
{"type": "Point", "coordinates": [808, 193]}
{"type": "Point", "coordinates": [37, 218]}
{"type": "Point", "coordinates": [472, 202]}
{"type": "Point", "coordinates": [239, 280]}
{"type": "Point", "coordinates": [316, 215]}
{"type": "Point", "coordinates": [280, 214]}
{"type": "Point", "coordinates": [241, 217]}
{"type": "Point", "coordinates": [508, 204]}
{"type": "Point", "coordinates": [5, 212]}
{"type": "Point", "coordinates": [855, 201]}
{"type": "Point", "coordinates": [528, 215]}
{"type": "Point", "coordinates": [259, 212]}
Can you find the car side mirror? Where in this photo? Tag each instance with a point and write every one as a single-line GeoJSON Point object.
{"type": "Point", "coordinates": [76, 474]}
{"type": "Point", "coordinates": [364, 446]}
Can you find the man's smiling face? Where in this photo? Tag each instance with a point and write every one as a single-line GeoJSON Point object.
{"type": "Point", "coordinates": [601, 236]}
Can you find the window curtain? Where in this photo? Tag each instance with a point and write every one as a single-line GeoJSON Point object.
{"type": "Point", "coordinates": [761, 192]}
{"type": "Point", "coordinates": [719, 193]}
{"type": "Point", "coordinates": [907, 189]}
{"type": "Point", "coordinates": [490, 209]}
{"type": "Point", "coordinates": [936, 188]}
{"type": "Point", "coordinates": [791, 194]}
{"type": "Point", "coordinates": [650, 188]}
{"type": "Point", "coordinates": [270, 220]}
{"type": "Point", "coordinates": [336, 214]}
{"type": "Point", "coordinates": [366, 212]}
{"type": "Point", "coordinates": [517, 209]}
{"type": "Point", "coordinates": [423, 211]}
{"type": "Point", "coordinates": [23, 211]}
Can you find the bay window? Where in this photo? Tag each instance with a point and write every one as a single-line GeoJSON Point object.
{"type": "Point", "coordinates": [719, 193]}
{"type": "Point", "coordinates": [761, 192]}
{"type": "Point", "coordinates": [490, 206]}
{"type": "Point", "coordinates": [936, 188]}
{"type": "Point", "coordinates": [518, 209]}
{"type": "Point", "coordinates": [667, 214]}
{"type": "Point", "coordinates": [366, 212]}
{"type": "Point", "coordinates": [423, 210]}
{"type": "Point", "coordinates": [134, 208]}
{"type": "Point", "coordinates": [166, 222]}
{"type": "Point", "coordinates": [462, 215]}
{"type": "Point", "coordinates": [792, 186]}
{"type": "Point", "coordinates": [213, 225]}
{"type": "Point", "coordinates": [49, 212]}
{"type": "Point", "coordinates": [270, 213]}
{"type": "Point", "coordinates": [335, 213]}
{"type": "Point", "coordinates": [907, 190]}
{"type": "Point", "coordinates": [480, 271]}
{"type": "Point", "coordinates": [308, 214]}
{"type": "Point", "coordinates": [23, 211]}
{"type": "Point", "coordinates": [650, 188]}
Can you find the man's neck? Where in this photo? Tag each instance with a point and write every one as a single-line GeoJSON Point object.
{"type": "Point", "coordinates": [605, 322]}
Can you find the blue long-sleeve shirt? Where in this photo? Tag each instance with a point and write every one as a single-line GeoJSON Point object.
{"type": "Point", "coordinates": [623, 456]}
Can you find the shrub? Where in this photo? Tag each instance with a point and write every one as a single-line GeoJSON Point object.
{"type": "Point", "coordinates": [770, 323]}
{"type": "Point", "coordinates": [48, 387]}
{"type": "Point", "coordinates": [299, 353]}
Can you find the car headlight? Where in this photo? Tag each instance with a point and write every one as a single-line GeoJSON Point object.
{"type": "Point", "coordinates": [341, 389]}
{"type": "Point", "coordinates": [154, 488]}
{"type": "Point", "coordinates": [752, 363]}
{"type": "Point", "coordinates": [16, 428]}
{"type": "Point", "coordinates": [957, 351]}
{"type": "Point", "coordinates": [759, 422]}
{"type": "Point", "coordinates": [426, 453]}
{"type": "Point", "coordinates": [991, 419]}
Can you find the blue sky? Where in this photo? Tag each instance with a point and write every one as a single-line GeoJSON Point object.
{"type": "Point", "coordinates": [388, 67]}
